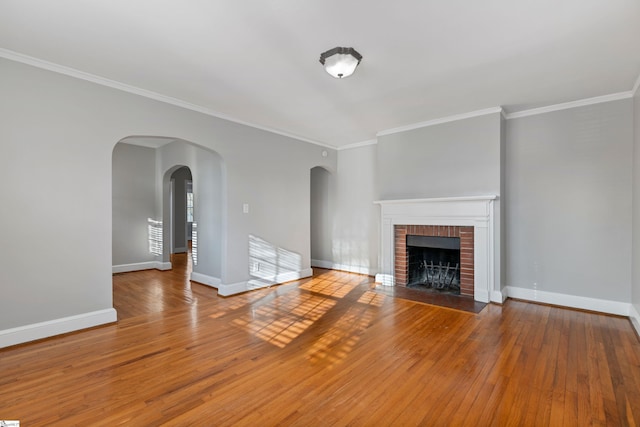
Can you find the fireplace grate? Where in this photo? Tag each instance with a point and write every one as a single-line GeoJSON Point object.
{"type": "Point", "coordinates": [438, 276]}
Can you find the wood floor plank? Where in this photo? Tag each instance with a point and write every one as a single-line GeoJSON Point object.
{"type": "Point", "coordinates": [327, 350]}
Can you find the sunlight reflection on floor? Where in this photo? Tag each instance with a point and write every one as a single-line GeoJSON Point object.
{"type": "Point", "coordinates": [372, 298]}
{"type": "Point", "coordinates": [285, 318]}
{"type": "Point", "coordinates": [235, 303]}
{"type": "Point", "coordinates": [332, 288]}
{"type": "Point", "coordinates": [335, 344]}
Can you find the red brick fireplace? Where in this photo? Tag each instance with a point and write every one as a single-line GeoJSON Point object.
{"type": "Point", "coordinates": [472, 218]}
{"type": "Point", "coordinates": [465, 233]}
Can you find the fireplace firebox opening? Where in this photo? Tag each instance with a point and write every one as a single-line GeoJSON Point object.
{"type": "Point", "coordinates": [434, 263]}
{"type": "Point", "coordinates": [437, 237]}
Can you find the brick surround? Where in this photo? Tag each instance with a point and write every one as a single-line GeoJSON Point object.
{"type": "Point", "coordinates": [466, 251]}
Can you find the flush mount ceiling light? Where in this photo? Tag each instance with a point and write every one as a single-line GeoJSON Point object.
{"type": "Point", "coordinates": [340, 62]}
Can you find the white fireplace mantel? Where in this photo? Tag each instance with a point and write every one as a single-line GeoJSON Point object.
{"type": "Point", "coordinates": [475, 211]}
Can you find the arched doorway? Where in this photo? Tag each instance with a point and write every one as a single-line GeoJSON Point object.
{"type": "Point", "coordinates": [181, 210]}
{"type": "Point", "coordinates": [144, 171]}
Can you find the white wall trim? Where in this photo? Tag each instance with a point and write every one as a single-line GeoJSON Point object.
{"type": "Point", "coordinates": [436, 200]}
{"type": "Point", "coordinates": [258, 283]}
{"type": "Point", "coordinates": [573, 301]}
{"type": "Point", "coordinates": [634, 91]}
{"type": "Point", "coordinates": [72, 72]}
{"type": "Point", "coordinates": [179, 250]}
{"type": "Point", "coordinates": [163, 266]}
{"type": "Point", "coordinates": [50, 328]}
{"type": "Point", "coordinates": [498, 297]}
{"type": "Point", "coordinates": [138, 266]}
{"type": "Point", "coordinates": [441, 120]}
{"type": "Point", "coordinates": [281, 277]}
{"type": "Point", "coordinates": [214, 282]}
{"type": "Point", "coordinates": [342, 267]}
{"type": "Point", "coordinates": [634, 316]}
{"type": "Point", "coordinates": [125, 268]}
{"type": "Point", "coordinates": [358, 144]}
{"type": "Point", "coordinates": [226, 290]}
{"type": "Point", "coordinates": [385, 279]}
{"type": "Point", "coordinates": [319, 263]}
{"type": "Point", "coordinates": [572, 104]}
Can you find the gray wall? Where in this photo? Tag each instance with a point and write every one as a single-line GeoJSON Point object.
{"type": "Point", "coordinates": [356, 240]}
{"type": "Point", "coordinates": [635, 290]}
{"type": "Point", "coordinates": [58, 135]}
{"type": "Point", "coordinates": [133, 203]}
{"type": "Point", "coordinates": [345, 221]}
{"type": "Point", "coordinates": [568, 192]}
{"type": "Point", "coordinates": [460, 158]}
{"type": "Point", "coordinates": [323, 210]}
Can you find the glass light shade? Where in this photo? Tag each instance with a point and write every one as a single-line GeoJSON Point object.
{"type": "Point", "coordinates": [340, 62]}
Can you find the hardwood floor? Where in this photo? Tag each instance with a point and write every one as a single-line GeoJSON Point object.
{"type": "Point", "coordinates": [151, 291]}
{"type": "Point", "coordinates": [458, 302]}
{"type": "Point", "coordinates": [323, 351]}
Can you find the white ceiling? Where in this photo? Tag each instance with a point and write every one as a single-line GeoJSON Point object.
{"type": "Point", "coordinates": [257, 61]}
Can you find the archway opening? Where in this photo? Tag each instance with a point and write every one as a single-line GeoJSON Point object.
{"type": "Point", "coordinates": [162, 188]}
{"type": "Point", "coordinates": [181, 210]}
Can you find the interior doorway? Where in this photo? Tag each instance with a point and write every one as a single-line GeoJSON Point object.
{"type": "Point", "coordinates": [169, 201]}
{"type": "Point", "coordinates": [181, 210]}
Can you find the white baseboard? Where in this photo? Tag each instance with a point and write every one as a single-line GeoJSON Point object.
{"type": "Point", "coordinates": [498, 297]}
{"type": "Point", "coordinates": [321, 264]}
{"type": "Point", "coordinates": [54, 327]}
{"type": "Point", "coordinates": [385, 279]}
{"type": "Point", "coordinates": [262, 282]}
{"type": "Point", "coordinates": [163, 266]}
{"type": "Point", "coordinates": [583, 303]}
{"type": "Point", "coordinates": [179, 250]}
{"type": "Point", "coordinates": [232, 288]}
{"type": "Point", "coordinates": [481, 296]}
{"type": "Point", "coordinates": [342, 267]}
{"type": "Point", "coordinates": [290, 275]}
{"type": "Point", "coordinates": [149, 265]}
{"type": "Point", "coordinates": [634, 316]}
{"type": "Point", "coordinates": [126, 268]}
{"type": "Point", "coordinates": [214, 282]}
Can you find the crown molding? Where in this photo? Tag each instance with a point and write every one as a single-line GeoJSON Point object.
{"type": "Point", "coordinates": [358, 144]}
{"type": "Point", "coordinates": [72, 72]}
{"type": "Point", "coordinates": [440, 121]}
{"type": "Point", "coordinates": [487, 197]}
{"type": "Point", "coordinates": [572, 104]}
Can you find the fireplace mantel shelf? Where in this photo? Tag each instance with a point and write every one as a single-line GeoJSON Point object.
{"type": "Point", "coordinates": [437, 199]}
